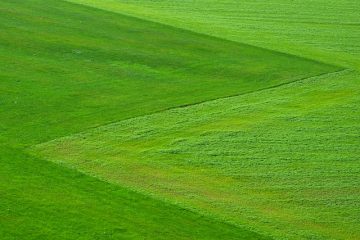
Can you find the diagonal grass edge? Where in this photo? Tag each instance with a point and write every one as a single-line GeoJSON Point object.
{"type": "Point", "coordinates": [194, 104]}
{"type": "Point", "coordinates": [44, 200]}
{"type": "Point", "coordinates": [95, 67]}
{"type": "Point", "coordinates": [241, 157]}
{"type": "Point", "coordinates": [203, 34]}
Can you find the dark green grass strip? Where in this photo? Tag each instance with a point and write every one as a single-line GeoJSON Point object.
{"type": "Point", "coordinates": [42, 200]}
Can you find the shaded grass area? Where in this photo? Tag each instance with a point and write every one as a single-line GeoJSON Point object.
{"type": "Point", "coordinates": [324, 30]}
{"type": "Point", "coordinates": [67, 67]}
{"type": "Point", "coordinates": [42, 200]}
{"type": "Point", "coordinates": [284, 160]}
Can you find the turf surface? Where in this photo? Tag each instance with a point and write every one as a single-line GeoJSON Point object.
{"type": "Point", "coordinates": [42, 200]}
{"type": "Point", "coordinates": [283, 160]}
{"type": "Point", "coordinates": [324, 30]}
{"type": "Point", "coordinates": [66, 68]}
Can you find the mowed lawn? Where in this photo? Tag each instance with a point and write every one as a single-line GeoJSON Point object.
{"type": "Point", "coordinates": [284, 161]}
{"type": "Point", "coordinates": [67, 67]}
{"type": "Point", "coordinates": [42, 200]}
{"type": "Point", "coordinates": [263, 163]}
{"type": "Point", "coordinates": [317, 29]}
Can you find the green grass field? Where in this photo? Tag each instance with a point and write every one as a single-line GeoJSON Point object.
{"type": "Point", "coordinates": [179, 120]}
{"type": "Point", "coordinates": [317, 29]}
{"type": "Point", "coordinates": [283, 160]}
{"type": "Point", "coordinates": [41, 200]}
{"type": "Point", "coordinates": [76, 67]}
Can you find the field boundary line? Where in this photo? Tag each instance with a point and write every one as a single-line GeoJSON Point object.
{"type": "Point", "coordinates": [206, 215]}
{"type": "Point", "coordinates": [197, 103]}
{"type": "Point", "coordinates": [181, 29]}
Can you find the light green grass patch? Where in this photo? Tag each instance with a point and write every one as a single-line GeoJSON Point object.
{"type": "Point", "coordinates": [283, 160]}
{"type": "Point", "coordinates": [42, 200]}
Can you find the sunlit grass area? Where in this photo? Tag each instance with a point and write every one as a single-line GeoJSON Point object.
{"type": "Point", "coordinates": [283, 160]}
{"type": "Point", "coordinates": [141, 119]}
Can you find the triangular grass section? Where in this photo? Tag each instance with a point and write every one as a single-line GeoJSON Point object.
{"type": "Point", "coordinates": [67, 67]}
{"type": "Point", "coordinates": [322, 30]}
{"type": "Point", "coordinates": [284, 161]}
{"type": "Point", "coordinates": [42, 200]}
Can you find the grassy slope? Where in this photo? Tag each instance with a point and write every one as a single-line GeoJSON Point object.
{"type": "Point", "coordinates": [283, 160]}
{"type": "Point", "coordinates": [67, 67]}
{"type": "Point", "coordinates": [324, 30]}
{"type": "Point", "coordinates": [62, 49]}
{"type": "Point", "coordinates": [42, 200]}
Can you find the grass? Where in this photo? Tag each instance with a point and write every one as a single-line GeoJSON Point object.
{"type": "Point", "coordinates": [323, 30]}
{"type": "Point", "coordinates": [126, 100]}
{"type": "Point", "coordinates": [42, 200]}
{"type": "Point", "coordinates": [283, 161]}
{"type": "Point", "coordinates": [67, 67]}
